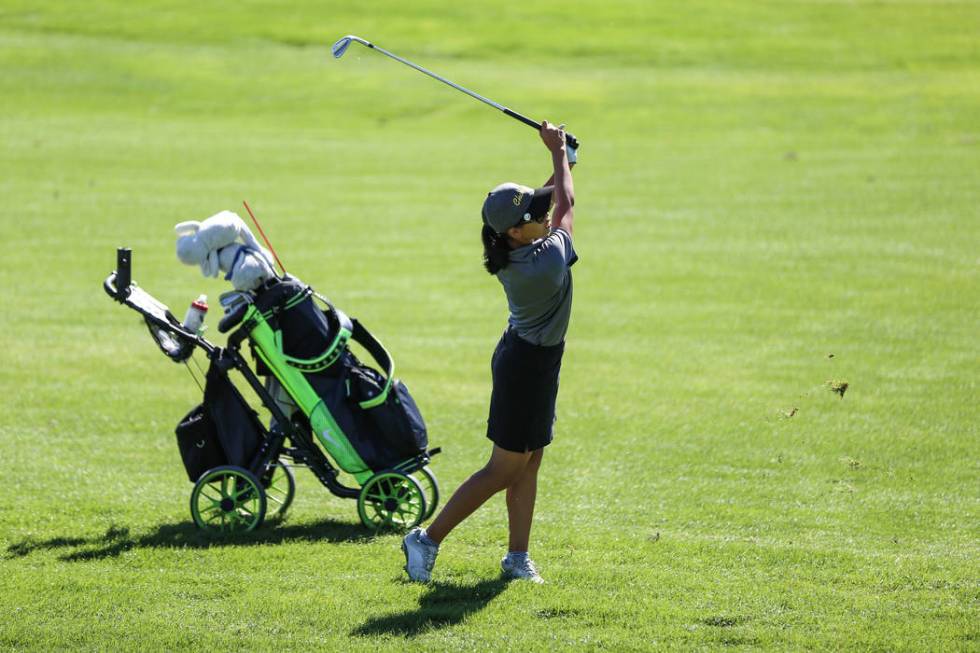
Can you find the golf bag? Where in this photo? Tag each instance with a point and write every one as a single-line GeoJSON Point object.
{"type": "Point", "coordinates": [365, 419]}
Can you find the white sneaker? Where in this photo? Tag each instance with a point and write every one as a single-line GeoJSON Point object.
{"type": "Point", "coordinates": [524, 570]}
{"type": "Point", "coordinates": [419, 557]}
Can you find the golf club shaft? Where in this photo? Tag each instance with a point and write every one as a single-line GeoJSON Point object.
{"type": "Point", "coordinates": [570, 139]}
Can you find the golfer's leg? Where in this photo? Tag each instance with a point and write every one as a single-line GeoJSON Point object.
{"type": "Point", "coordinates": [500, 472]}
{"type": "Point", "coordinates": [520, 503]}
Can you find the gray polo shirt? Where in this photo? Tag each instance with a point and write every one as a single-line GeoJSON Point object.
{"type": "Point", "coordinates": [538, 283]}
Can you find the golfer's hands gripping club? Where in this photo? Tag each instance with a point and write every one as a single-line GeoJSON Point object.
{"type": "Point", "coordinates": [570, 139]}
{"type": "Point", "coordinates": [556, 137]}
{"type": "Point", "coordinates": [553, 137]}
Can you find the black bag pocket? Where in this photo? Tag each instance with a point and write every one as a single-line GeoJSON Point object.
{"type": "Point", "coordinates": [197, 439]}
{"type": "Point", "coordinates": [397, 420]}
{"type": "Point", "coordinates": [407, 412]}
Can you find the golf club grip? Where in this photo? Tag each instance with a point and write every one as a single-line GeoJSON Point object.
{"type": "Point", "coordinates": [569, 138]}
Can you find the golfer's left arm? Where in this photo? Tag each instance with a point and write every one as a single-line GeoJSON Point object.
{"type": "Point", "coordinates": [564, 193]}
{"type": "Point", "coordinates": [572, 155]}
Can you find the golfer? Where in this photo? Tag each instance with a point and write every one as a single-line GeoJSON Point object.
{"type": "Point", "coordinates": [531, 257]}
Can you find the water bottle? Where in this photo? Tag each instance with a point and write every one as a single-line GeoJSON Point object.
{"type": "Point", "coordinates": [194, 319]}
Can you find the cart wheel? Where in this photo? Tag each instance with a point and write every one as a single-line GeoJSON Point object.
{"type": "Point", "coordinates": [279, 483]}
{"type": "Point", "coordinates": [430, 488]}
{"type": "Point", "coordinates": [391, 500]}
{"type": "Point", "coordinates": [227, 499]}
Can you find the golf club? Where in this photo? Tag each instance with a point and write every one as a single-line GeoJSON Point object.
{"type": "Point", "coordinates": [340, 47]}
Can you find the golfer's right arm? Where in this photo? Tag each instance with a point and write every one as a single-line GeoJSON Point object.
{"type": "Point", "coordinates": [564, 193]}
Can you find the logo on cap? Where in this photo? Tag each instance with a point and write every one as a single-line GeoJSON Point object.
{"type": "Point", "coordinates": [518, 199]}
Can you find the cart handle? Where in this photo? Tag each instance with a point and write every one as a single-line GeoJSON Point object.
{"type": "Point", "coordinates": [123, 275]}
{"type": "Point", "coordinates": [119, 285]}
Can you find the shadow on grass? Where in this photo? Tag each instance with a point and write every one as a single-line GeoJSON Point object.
{"type": "Point", "coordinates": [118, 540]}
{"type": "Point", "coordinates": [442, 605]}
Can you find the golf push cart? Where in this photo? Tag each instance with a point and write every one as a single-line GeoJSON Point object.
{"type": "Point", "coordinates": [322, 400]}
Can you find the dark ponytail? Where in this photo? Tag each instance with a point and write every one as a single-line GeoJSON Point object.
{"type": "Point", "coordinates": [496, 250]}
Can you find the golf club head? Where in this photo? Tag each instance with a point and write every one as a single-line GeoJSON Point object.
{"type": "Point", "coordinates": [340, 47]}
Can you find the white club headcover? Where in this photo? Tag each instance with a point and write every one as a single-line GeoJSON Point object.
{"type": "Point", "coordinates": [245, 267]}
{"type": "Point", "coordinates": [200, 242]}
{"type": "Point", "coordinates": [190, 249]}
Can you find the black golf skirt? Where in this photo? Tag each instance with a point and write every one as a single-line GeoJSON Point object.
{"type": "Point", "coordinates": [525, 388]}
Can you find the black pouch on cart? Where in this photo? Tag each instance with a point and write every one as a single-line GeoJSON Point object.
{"type": "Point", "coordinates": [238, 427]}
{"type": "Point", "coordinates": [224, 430]}
{"type": "Point", "coordinates": [197, 439]}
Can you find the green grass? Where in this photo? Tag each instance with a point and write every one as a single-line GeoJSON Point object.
{"type": "Point", "coordinates": [762, 185]}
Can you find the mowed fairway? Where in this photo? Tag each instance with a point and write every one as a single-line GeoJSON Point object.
{"type": "Point", "coordinates": [771, 196]}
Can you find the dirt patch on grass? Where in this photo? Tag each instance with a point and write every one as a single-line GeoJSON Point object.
{"type": "Point", "coordinates": [724, 621]}
{"type": "Point", "coordinates": [739, 641]}
{"type": "Point", "coordinates": [557, 613]}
